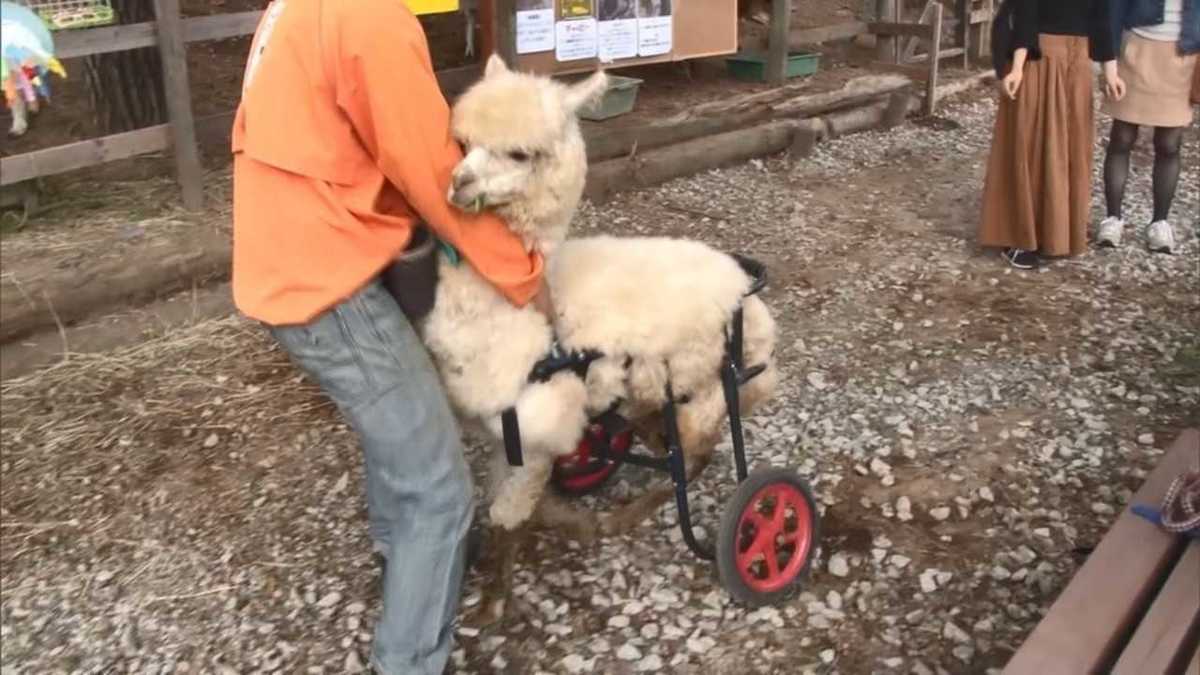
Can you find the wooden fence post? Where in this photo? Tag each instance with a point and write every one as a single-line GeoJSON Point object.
{"type": "Point", "coordinates": [506, 31]}
{"type": "Point", "coordinates": [935, 52]}
{"type": "Point", "coordinates": [171, 45]}
{"type": "Point", "coordinates": [963, 37]}
{"type": "Point", "coordinates": [886, 45]}
{"type": "Point", "coordinates": [777, 41]}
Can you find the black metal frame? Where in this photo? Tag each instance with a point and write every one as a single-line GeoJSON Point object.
{"type": "Point", "coordinates": [733, 375]}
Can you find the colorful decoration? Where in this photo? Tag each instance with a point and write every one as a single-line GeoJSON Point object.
{"type": "Point", "coordinates": [26, 56]}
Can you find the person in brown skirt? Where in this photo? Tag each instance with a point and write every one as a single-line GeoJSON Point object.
{"type": "Point", "coordinates": [1157, 60]}
{"type": "Point", "coordinates": [1037, 193]}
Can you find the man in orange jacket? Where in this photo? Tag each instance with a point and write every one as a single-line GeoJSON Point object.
{"type": "Point", "coordinates": [341, 146]}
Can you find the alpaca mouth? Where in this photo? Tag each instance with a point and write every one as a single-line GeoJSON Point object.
{"type": "Point", "coordinates": [474, 201]}
{"type": "Point", "coordinates": [468, 199]}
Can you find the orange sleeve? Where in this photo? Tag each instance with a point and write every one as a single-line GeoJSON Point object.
{"type": "Point", "coordinates": [391, 95]}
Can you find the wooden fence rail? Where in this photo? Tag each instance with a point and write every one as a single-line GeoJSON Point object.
{"type": "Point", "coordinates": [180, 131]}
{"type": "Point", "coordinates": [171, 33]}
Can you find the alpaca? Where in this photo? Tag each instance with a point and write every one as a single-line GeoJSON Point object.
{"type": "Point", "coordinates": [654, 308]}
{"type": "Point", "coordinates": [483, 346]}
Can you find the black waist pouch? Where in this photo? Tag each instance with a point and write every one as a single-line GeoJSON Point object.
{"type": "Point", "coordinates": [412, 277]}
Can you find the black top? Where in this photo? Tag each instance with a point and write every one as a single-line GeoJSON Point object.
{"type": "Point", "coordinates": [1087, 18]}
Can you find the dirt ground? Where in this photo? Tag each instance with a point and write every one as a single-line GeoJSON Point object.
{"type": "Point", "coordinates": [190, 504]}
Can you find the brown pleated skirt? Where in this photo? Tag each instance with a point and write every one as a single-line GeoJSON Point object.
{"type": "Point", "coordinates": [1037, 194]}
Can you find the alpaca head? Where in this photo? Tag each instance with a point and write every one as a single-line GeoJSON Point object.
{"type": "Point", "coordinates": [524, 154]}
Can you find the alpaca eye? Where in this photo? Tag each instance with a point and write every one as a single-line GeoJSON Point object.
{"type": "Point", "coordinates": [518, 156]}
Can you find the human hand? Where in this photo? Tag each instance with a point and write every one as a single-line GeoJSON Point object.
{"type": "Point", "coordinates": [1114, 86]}
{"type": "Point", "coordinates": [1012, 82]}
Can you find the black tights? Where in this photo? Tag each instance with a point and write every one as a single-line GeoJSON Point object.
{"type": "Point", "coordinates": [1167, 143]}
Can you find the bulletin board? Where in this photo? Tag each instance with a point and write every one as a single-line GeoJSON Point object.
{"type": "Point", "coordinates": [569, 36]}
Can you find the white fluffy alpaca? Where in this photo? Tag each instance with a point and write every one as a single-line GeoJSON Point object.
{"type": "Point", "coordinates": [657, 308]}
{"type": "Point", "coordinates": [485, 347]}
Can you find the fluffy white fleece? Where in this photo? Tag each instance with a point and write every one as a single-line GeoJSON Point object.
{"type": "Point", "coordinates": [662, 304]}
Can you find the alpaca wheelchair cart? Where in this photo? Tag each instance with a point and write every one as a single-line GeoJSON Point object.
{"type": "Point", "coordinates": [769, 530]}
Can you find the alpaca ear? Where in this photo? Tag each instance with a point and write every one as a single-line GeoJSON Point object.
{"type": "Point", "coordinates": [582, 93]}
{"type": "Point", "coordinates": [495, 66]}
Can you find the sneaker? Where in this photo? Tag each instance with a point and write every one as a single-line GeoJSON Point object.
{"type": "Point", "coordinates": [1110, 232]}
{"type": "Point", "coordinates": [1161, 238]}
{"type": "Point", "coordinates": [1020, 258]}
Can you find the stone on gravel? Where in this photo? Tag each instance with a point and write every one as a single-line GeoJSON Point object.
{"type": "Point", "coordinates": [628, 652]}
{"type": "Point", "coordinates": [951, 631]}
{"type": "Point", "coordinates": [650, 664]}
{"type": "Point", "coordinates": [838, 566]}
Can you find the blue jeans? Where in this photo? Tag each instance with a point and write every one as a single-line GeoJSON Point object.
{"type": "Point", "coordinates": [366, 356]}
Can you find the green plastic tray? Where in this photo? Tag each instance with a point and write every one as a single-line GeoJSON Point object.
{"type": "Point", "coordinates": [752, 67]}
{"type": "Point", "coordinates": [618, 99]}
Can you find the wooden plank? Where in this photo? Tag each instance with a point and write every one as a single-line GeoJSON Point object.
{"type": "Point", "coordinates": [221, 26]}
{"type": "Point", "coordinates": [506, 31]}
{"type": "Point", "coordinates": [658, 166]}
{"type": "Point", "coordinates": [917, 72]}
{"type": "Point", "coordinates": [777, 42]}
{"type": "Point", "coordinates": [1162, 634]}
{"type": "Point", "coordinates": [778, 47]}
{"type": "Point", "coordinates": [983, 16]}
{"type": "Point", "coordinates": [188, 171]}
{"type": "Point", "coordinates": [935, 47]}
{"type": "Point", "coordinates": [213, 129]}
{"type": "Point", "coordinates": [71, 156]}
{"type": "Point", "coordinates": [885, 46]}
{"type": "Point", "coordinates": [910, 48]}
{"type": "Point", "coordinates": [90, 41]}
{"type": "Point", "coordinates": [1091, 617]}
{"type": "Point", "coordinates": [71, 44]}
{"type": "Point", "coordinates": [814, 36]}
{"type": "Point", "coordinates": [943, 54]}
{"type": "Point", "coordinates": [706, 120]}
{"type": "Point", "coordinates": [916, 30]}
{"type": "Point", "coordinates": [983, 30]}
{"type": "Point", "coordinates": [962, 36]}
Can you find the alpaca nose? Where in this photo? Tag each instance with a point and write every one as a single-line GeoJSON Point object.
{"type": "Point", "coordinates": [463, 180]}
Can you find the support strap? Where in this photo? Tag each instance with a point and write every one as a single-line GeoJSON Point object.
{"type": "Point", "coordinates": [512, 437]}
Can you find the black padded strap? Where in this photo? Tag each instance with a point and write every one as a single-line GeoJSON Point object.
{"type": "Point", "coordinates": [512, 437]}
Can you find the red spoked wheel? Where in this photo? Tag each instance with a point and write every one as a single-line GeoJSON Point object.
{"type": "Point", "coordinates": [768, 534]}
{"type": "Point", "coordinates": [584, 471]}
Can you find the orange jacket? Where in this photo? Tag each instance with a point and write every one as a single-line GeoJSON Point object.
{"type": "Point", "coordinates": [341, 144]}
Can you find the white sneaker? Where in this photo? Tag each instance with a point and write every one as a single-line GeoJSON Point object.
{"type": "Point", "coordinates": [1161, 238]}
{"type": "Point", "coordinates": [1110, 232]}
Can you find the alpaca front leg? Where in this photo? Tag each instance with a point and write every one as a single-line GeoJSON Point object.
{"type": "Point", "coordinates": [497, 570]}
{"type": "Point", "coordinates": [519, 493]}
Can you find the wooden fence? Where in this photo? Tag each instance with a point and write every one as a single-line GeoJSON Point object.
{"type": "Point", "coordinates": [171, 33]}
{"type": "Point", "coordinates": [927, 30]}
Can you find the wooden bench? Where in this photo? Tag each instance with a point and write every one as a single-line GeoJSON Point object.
{"type": "Point", "coordinates": [1134, 606]}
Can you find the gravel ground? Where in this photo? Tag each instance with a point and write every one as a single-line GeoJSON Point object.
{"type": "Point", "coordinates": [190, 505]}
